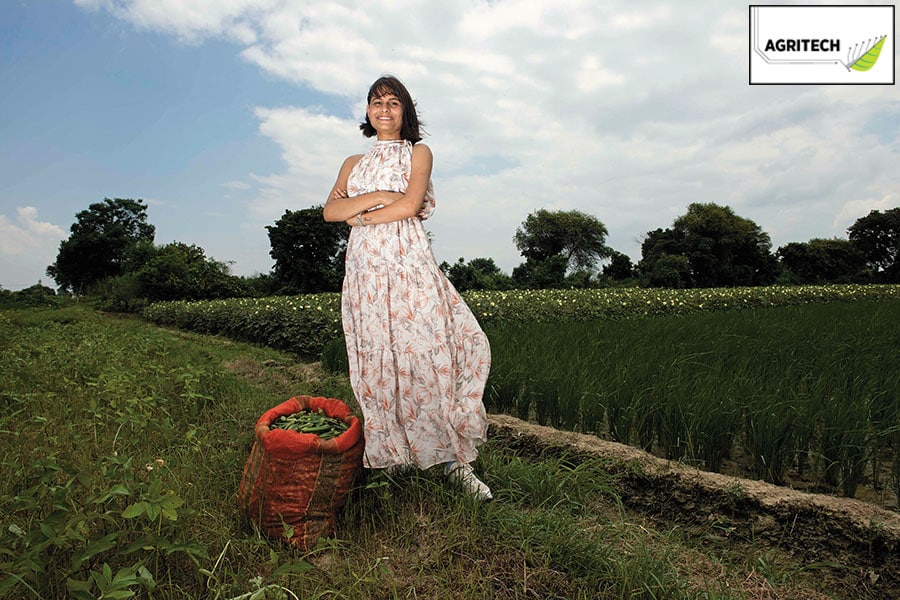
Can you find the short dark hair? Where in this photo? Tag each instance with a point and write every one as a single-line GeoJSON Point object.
{"type": "Point", "coordinates": [388, 84]}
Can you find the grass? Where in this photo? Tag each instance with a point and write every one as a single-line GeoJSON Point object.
{"type": "Point", "coordinates": [122, 447]}
{"type": "Point", "coordinates": [815, 383]}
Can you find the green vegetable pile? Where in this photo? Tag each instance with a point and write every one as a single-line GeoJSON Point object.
{"type": "Point", "coordinates": [307, 421]}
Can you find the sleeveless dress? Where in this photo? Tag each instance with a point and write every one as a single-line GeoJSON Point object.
{"type": "Point", "coordinates": [418, 359]}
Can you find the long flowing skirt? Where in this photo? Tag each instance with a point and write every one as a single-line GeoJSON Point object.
{"type": "Point", "coordinates": [419, 360]}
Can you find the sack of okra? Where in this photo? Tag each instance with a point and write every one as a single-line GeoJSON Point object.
{"type": "Point", "coordinates": [307, 453]}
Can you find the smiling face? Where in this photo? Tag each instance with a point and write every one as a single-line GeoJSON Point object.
{"type": "Point", "coordinates": [391, 112]}
{"type": "Point", "coordinates": [385, 113]}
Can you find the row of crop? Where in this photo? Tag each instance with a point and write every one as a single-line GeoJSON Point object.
{"type": "Point", "coordinates": [298, 324]}
{"type": "Point", "coordinates": [304, 324]}
{"type": "Point", "coordinates": [809, 392]}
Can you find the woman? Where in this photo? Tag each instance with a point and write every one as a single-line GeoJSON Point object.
{"type": "Point", "coordinates": [418, 359]}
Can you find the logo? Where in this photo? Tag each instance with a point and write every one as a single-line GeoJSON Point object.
{"type": "Point", "coordinates": [822, 44]}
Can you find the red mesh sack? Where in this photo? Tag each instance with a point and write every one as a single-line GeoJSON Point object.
{"type": "Point", "coordinates": [294, 484]}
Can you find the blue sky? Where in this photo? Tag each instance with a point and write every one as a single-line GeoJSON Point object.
{"type": "Point", "coordinates": [224, 114]}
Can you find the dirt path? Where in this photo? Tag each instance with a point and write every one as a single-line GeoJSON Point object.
{"type": "Point", "coordinates": [855, 543]}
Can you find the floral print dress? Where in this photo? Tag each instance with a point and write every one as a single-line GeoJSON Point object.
{"type": "Point", "coordinates": [418, 358]}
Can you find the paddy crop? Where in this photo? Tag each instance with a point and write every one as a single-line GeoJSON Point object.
{"type": "Point", "coordinates": [813, 387]}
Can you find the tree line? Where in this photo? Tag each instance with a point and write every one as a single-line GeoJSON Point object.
{"type": "Point", "coordinates": [110, 253]}
{"type": "Point", "coordinates": [708, 246]}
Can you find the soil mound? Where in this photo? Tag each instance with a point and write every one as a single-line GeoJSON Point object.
{"type": "Point", "coordinates": [859, 543]}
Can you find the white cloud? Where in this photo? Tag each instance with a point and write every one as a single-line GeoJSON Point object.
{"type": "Point", "coordinates": [861, 207]}
{"type": "Point", "coordinates": [313, 145]}
{"type": "Point", "coordinates": [236, 185]}
{"type": "Point", "coordinates": [27, 246]}
{"type": "Point", "coordinates": [191, 21]}
{"type": "Point", "coordinates": [636, 19]}
{"type": "Point", "coordinates": [26, 233]}
{"type": "Point", "coordinates": [594, 76]}
{"type": "Point", "coordinates": [629, 112]}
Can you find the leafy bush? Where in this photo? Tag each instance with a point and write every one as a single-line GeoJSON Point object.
{"type": "Point", "coordinates": [305, 324]}
{"type": "Point", "coordinates": [298, 324]}
{"type": "Point", "coordinates": [36, 295]}
{"type": "Point", "coordinates": [118, 294]}
{"type": "Point", "coordinates": [522, 306]}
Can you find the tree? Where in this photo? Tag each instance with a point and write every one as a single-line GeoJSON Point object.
{"type": "Point", "coordinates": [35, 295]}
{"type": "Point", "coordinates": [721, 249]}
{"type": "Point", "coordinates": [100, 241]}
{"type": "Point", "coordinates": [463, 276]}
{"type": "Point", "coordinates": [541, 274]}
{"type": "Point", "coordinates": [670, 271]}
{"type": "Point", "coordinates": [478, 274]}
{"type": "Point", "coordinates": [308, 251]}
{"type": "Point", "coordinates": [181, 271]}
{"type": "Point", "coordinates": [877, 237]}
{"type": "Point", "coordinates": [578, 237]}
{"type": "Point", "coordinates": [823, 261]}
{"type": "Point", "coordinates": [619, 268]}
{"type": "Point", "coordinates": [175, 271]}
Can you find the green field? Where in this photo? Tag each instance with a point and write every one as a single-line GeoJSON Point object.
{"type": "Point", "coordinates": [304, 325]}
{"type": "Point", "coordinates": [122, 446]}
{"type": "Point", "coordinates": [810, 390]}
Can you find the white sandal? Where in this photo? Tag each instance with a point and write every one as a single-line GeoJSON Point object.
{"type": "Point", "coordinates": [463, 474]}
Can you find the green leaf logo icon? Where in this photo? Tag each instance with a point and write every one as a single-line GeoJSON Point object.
{"type": "Point", "coordinates": [867, 60]}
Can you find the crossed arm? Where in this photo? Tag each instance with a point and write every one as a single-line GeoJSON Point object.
{"type": "Point", "coordinates": [396, 206]}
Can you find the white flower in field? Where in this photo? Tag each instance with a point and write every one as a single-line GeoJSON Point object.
{"type": "Point", "coordinates": [149, 467]}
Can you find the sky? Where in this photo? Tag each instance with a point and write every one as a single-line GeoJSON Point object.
{"type": "Point", "coordinates": [223, 114]}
